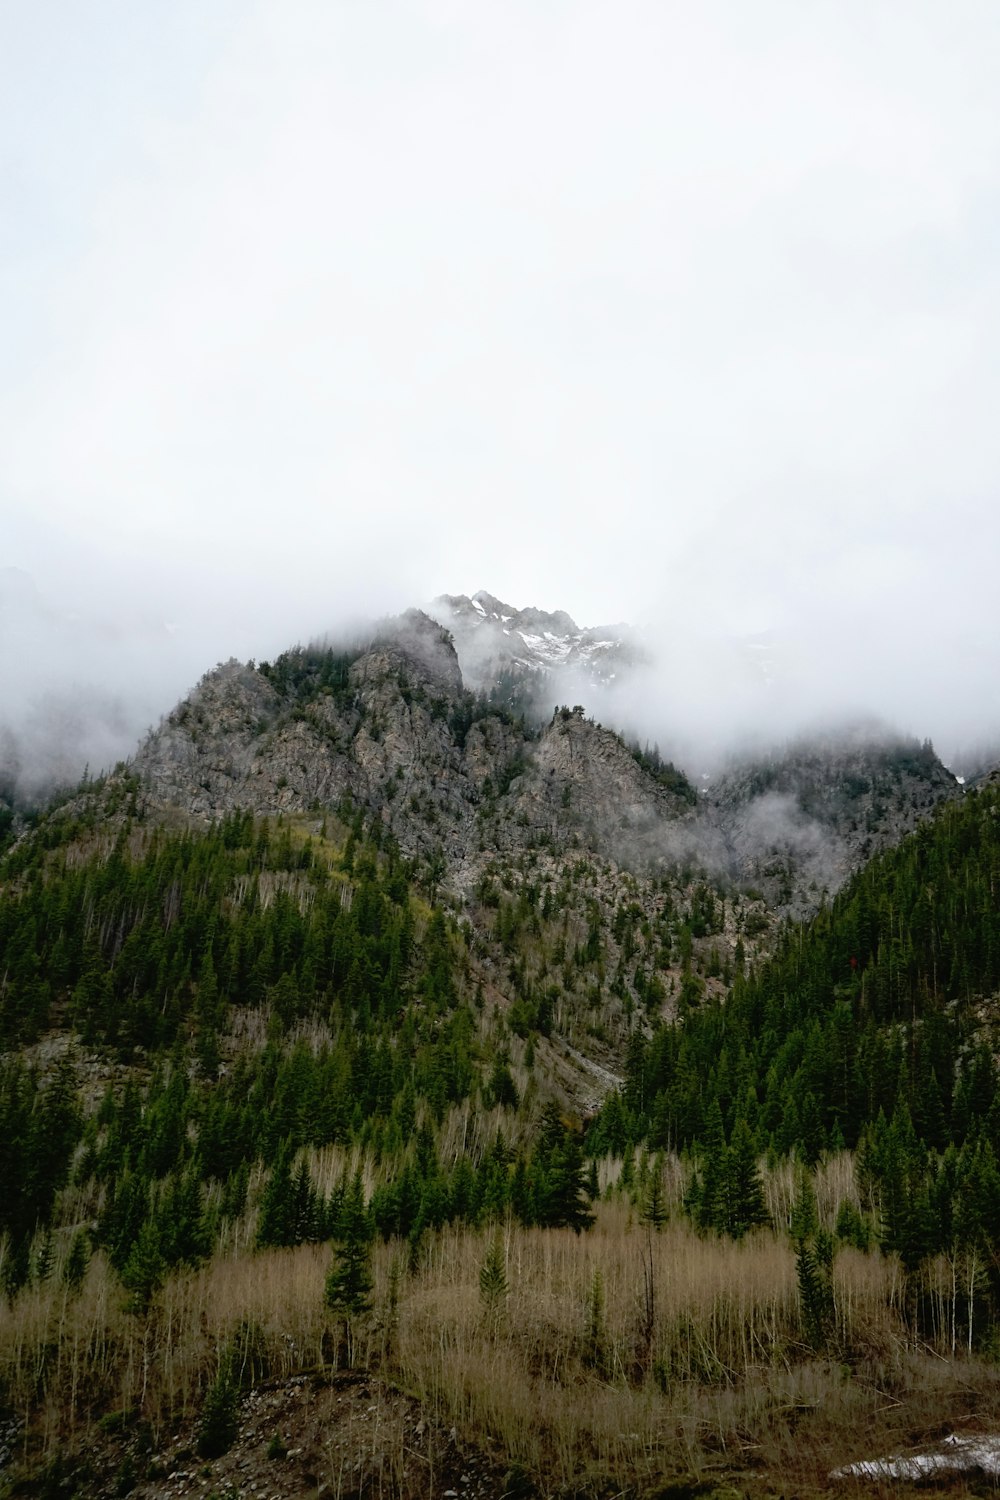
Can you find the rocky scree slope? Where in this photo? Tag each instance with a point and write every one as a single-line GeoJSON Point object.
{"type": "Point", "coordinates": [349, 1435]}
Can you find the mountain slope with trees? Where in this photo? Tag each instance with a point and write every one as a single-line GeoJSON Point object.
{"type": "Point", "coordinates": [461, 1037]}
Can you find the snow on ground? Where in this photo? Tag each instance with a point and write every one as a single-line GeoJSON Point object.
{"type": "Point", "coordinates": [550, 648]}
{"type": "Point", "coordinates": [528, 639]}
{"type": "Point", "coordinates": [973, 1454]}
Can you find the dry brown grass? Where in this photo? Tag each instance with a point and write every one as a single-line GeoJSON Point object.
{"type": "Point", "coordinates": [573, 1376]}
{"type": "Point", "coordinates": [568, 1392]}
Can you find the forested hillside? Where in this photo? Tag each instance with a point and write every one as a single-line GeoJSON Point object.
{"type": "Point", "coordinates": [874, 1028]}
{"type": "Point", "coordinates": [257, 996]}
{"type": "Point", "coordinates": [462, 1031]}
{"type": "Point", "coordinates": [224, 1043]}
{"type": "Point", "coordinates": [877, 1005]}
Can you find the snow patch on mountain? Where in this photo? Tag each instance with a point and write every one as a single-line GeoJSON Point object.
{"type": "Point", "coordinates": [497, 643]}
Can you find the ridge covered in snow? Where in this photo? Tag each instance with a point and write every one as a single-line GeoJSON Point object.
{"type": "Point", "coordinates": [497, 642]}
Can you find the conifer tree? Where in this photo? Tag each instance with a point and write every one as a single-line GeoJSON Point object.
{"type": "Point", "coordinates": [347, 1293]}
{"type": "Point", "coordinates": [814, 1267]}
{"type": "Point", "coordinates": [493, 1286]}
{"type": "Point", "coordinates": [711, 1209]}
{"type": "Point", "coordinates": [144, 1269]}
{"type": "Point", "coordinates": [805, 1220]}
{"type": "Point", "coordinates": [654, 1209]}
{"type": "Point", "coordinates": [745, 1193]}
{"type": "Point", "coordinates": [219, 1425]}
{"type": "Point", "coordinates": [75, 1268]}
{"type": "Point", "coordinates": [559, 1176]}
{"type": "Point", "coordinates": [277, 1223]}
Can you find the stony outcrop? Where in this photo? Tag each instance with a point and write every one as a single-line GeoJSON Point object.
{"type": "Point", "coordinates": [389, 727]}
{"type": "Point", "coordinates": [581, 779]}
{"type": "Point", "coordinates": [797, 824]}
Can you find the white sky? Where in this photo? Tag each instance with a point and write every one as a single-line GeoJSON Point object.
{"type": "Point", "coordinates": [685, 313]}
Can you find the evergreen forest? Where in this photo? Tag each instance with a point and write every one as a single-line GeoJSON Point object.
{"type": "Point", "coordinates": [268, 1037]}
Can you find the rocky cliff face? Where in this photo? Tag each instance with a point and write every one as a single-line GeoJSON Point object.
{"type": "Point", "coordinates": [797, 824]}
{"type": "Point", "coordinates": [369, 723]}
{"type": "Point", "coordinates": [582, 777]}
{"type": "Point", "coordinates": [388, 725]}
{"type": "Point", "coordinates": [391, 727]}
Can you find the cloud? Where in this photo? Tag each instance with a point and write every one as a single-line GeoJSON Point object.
{"type": "Point", "coordinates": [679, 314]}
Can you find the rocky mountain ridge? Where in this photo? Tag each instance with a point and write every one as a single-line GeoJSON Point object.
{"type": "Point", "coordinates": [390, 727]}
{"type": "Point", "coordinates": [431, 1028]}
{"type": "Point", "coordinates": [799, 822]}
{"type": "Point", "coordinates": [533, 656]}
{"type": "Point", "coordinates": [388, 724]}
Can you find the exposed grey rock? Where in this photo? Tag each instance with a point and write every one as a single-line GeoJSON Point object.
{"type": "Point", "coordinates": [580, 778]}
{"type": "Point", "coordinates": [798, 823]}
{"type": "Point", "coordinates": [454, 782]}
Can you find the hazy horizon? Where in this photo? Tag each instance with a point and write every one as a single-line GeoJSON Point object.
{"type": "Point", "coordinates": [685, 316]}
{"type": "Point", "coordinates": [82, 690]}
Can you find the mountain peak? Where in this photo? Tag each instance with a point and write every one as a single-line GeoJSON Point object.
{"type": "Point", "coordinates": [500, 645]}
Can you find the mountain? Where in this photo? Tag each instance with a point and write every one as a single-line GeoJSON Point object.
{"type": "Point", "coordinates": [332, 1022]}
{"type": "Point", "coordinates": [389, 724]}
{"type": "Point", "coordinates": [531, 656]}
{"type": "Point", "coordinates": [490, 810]}
{"type": "Point", "coordinates": [455, 776]}
{"type": "Point", "coordinates": [797, 823]}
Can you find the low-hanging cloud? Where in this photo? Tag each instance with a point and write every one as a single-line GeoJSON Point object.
{"type": "Point", "coordinates": [682, 315]}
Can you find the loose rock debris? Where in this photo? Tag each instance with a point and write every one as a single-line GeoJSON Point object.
{"type": "Point", "coordinates": [347, 1437]}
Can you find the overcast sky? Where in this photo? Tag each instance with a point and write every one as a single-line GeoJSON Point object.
{"type": "Point", "coordinates": [684, 313]}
